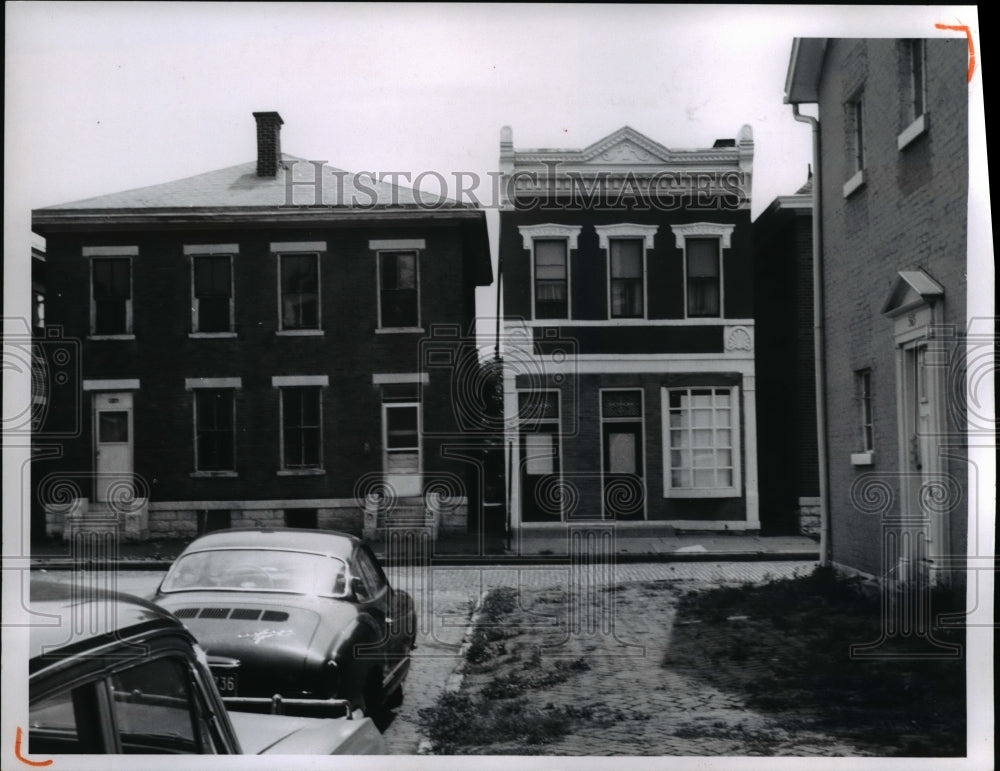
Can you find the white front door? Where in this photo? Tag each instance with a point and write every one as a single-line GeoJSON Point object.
{"type": "Point", "coordinates": [112, 445]}
{"type": "Point", "coordinates": [921, 412]}
{"type": "Point", "coordinates": [401, 461]}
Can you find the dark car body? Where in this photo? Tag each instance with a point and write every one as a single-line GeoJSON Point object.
{"type": "Point", "coordinates": [308, 614]}
{"type": "Point", "coordinates": [114, 674]}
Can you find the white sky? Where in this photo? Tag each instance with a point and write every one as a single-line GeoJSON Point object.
{"type": "Point", "coordinates": [106, 97]}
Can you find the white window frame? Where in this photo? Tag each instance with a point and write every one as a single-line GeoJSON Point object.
{"type": "Point", "coordinates": [721, 231]}
{"type": "Point", "coordinates": [382, 327]}
{"type": "Point", "coordinates": [557, 422]}
{"type": "Point", "coordinates": [855, 119]}
{"type": "Point", "coordinates": [299, 249]}
{"type": "Point", "coordinates": [127, 253]}
{"type": "Point", "coordinates": [733, 491]}
{"type": "Point", "coordinates": [194, 253]}
{"type": "Point", "coordinates": [642, 439]}
{"type": "Point", "coordinates": [226, 384]}
{"type": "Point", "coordinates": [386, 406]}
{"type": "Point", "coordinates": [866, 422]}
{"type": "Point", "coordinates": [627, 232]}
{"type": "Point", "coordinates": [551, 232]}
{"type": "Point", "coordinates": [292, 382]}
{"type": "Point", "coordinates": [916, 122]}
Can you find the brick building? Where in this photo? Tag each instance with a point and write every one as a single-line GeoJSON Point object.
{"type": "Point", "coordinates": [629, 375]}
{"type": "Point", "coordinates": [783, 311]}
{"type": "Point", "coordinates": [252, 351]}
{"type": "Point", "coordinates": [893, 186]}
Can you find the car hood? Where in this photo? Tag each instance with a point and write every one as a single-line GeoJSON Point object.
{"type": "Point", "coordinates": [284, 735]}
{"type": "Point", "coordinates": [277, 629]}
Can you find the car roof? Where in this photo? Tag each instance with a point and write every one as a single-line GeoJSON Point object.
{"type": "Point", "coordinates": [81, 617]}
{"type": "Point", "coordinates": [329, 542]}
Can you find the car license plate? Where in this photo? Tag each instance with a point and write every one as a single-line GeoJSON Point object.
{"type": "Point", "coordinates": [227, 683]}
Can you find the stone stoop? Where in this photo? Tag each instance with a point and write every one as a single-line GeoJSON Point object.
{"type": "Point", "coordinates": [99, 518]}
{"type": "Point", "coordinates": [406, 515]}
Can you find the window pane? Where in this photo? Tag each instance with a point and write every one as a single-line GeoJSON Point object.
{"type": "Point", "coordinates": [550, 259]}
{"type": "Point", "coordinates": [402, 427]}
{"type": "Point", "coordinates": [112, 427]}
{"type": "Point", "coordinates": [622, 453]}
{"type": "Point", "coordinates": [211, 277]}
{"type": "Point", "coordinates": [300, 291]}
{"type": "Point", "coordinates": [52, 725]}
{"type": "Point", "coordinates": [111, 279]}
{"type": "Point", "coordinates": [702, 257]}
{"type": "Point", "coordinates": [626, 259]}
{"type": "Point", "coordinates": [540, 453]}
{"type": "Point", "coordinates": [153, 708]}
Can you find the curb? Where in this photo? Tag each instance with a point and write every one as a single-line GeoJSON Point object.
{"type": "Point", "coordinates": [454, 682]}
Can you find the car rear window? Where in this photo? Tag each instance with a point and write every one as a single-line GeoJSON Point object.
{"type": "Point", "coordinates": [257, 570]}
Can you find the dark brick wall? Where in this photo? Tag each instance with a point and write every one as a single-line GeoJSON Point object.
{"type": "Point", "coordinates": [664, 263]}
{"type": "Point", "coordinates": [162, 355]}
{"type": "Point", "coordinates": [910, 214]}
{"type": "Point", "coordinates": [784, 358]}
{"type": "Point", "coordinates": [581, 443]}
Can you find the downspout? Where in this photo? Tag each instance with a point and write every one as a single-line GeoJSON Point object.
{"type": "Point", "coordinates": [819, 340]}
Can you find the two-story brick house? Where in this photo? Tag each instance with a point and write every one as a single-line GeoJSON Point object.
{"type": "Point", "coordinates": [893, 188]}
{"type": "Point", "coordinates": [253, 346]}
{"type": "Point", "coordinates": [629, 377]}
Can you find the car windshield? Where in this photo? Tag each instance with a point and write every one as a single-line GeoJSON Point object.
{"type": "Point", "coordinates": [267, 570]}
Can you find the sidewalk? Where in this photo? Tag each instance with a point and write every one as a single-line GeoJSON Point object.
{"type": "Point", "coordinates": [521, 548]}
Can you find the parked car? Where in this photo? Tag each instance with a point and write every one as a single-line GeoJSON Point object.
{"type": "Point", "coordinates": [309, 615]}
{"type": "Point", "coordinates": [118, 675]}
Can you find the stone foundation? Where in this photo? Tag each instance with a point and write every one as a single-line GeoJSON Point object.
{"type": "Point", "coordinates": [808, 514]}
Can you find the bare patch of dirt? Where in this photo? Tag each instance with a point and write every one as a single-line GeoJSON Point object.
{"type": "Point", "coordinates": [680, 668]}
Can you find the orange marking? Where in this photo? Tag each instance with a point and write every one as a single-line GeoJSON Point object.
{"type": "Point", "coordinates": [19, 756]}
{"type": "Point", "coordinates": [972, 47]}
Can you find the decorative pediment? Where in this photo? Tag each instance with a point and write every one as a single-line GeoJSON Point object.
{"type": "Point", "coordinates": [626, 146]}
{"type": "Point", "coordinates": [911, 289]}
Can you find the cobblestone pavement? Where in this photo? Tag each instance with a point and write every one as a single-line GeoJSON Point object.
{"type": "Point", "coordinates": [672, 716]}
{"type": "Point", "coordinates": [664, 713]}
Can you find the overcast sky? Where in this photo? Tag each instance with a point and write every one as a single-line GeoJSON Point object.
{"type": "Point", "coordinates": [107, 97]}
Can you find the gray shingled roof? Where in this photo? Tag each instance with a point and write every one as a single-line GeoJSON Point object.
{"type": "Point", "coordinates": [239, 186]}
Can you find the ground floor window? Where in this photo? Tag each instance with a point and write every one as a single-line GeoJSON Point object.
{"type": "Point", "coordinates": [301, 424]}
{"type": "Point", "coordinates": [701, 430]}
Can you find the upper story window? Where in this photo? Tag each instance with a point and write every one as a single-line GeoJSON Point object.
{"type": "Point", "coordinates": [299, 286]}
{"type": "Point", "coordinates": [550, 246]}
{"type": "Point", "coordinates": [551, 279]}
{"type": "Point", "coordinates": [211, 288]}
{"type": "Point", "coordinates": [703, 243]}
{"type": "Point", "coordinates": [626, 246]}
{"type": "Point", "coordinates": [111, 290]}
{"type": "Point", "coordinates": [855, 119]}
{"type": "Point", "coordinates": [398, 265]}
{"type": "Point", "coordinates": [627, 279]}
{"type": "Point", "coordinates": [914, 90]}
{"type": "Point", "coordinates": [399, 304]}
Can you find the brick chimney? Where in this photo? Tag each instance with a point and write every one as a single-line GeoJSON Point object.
{"type": "Point", "coordinates": [268, 143]}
